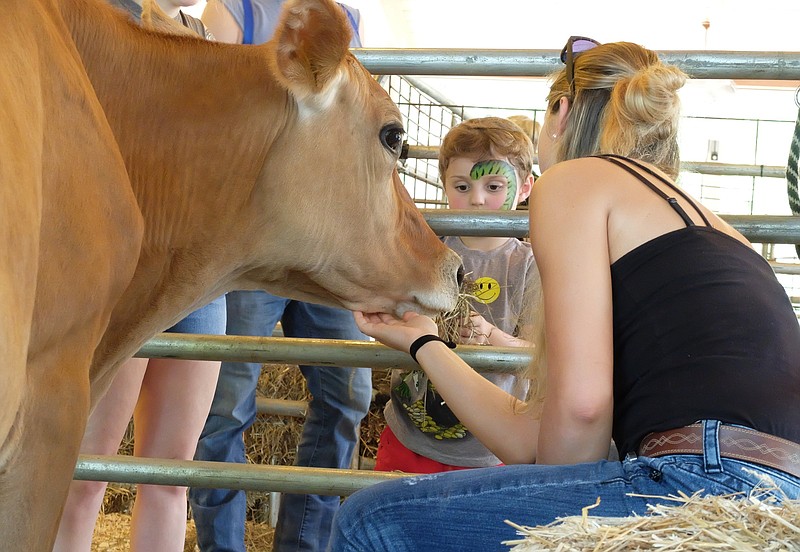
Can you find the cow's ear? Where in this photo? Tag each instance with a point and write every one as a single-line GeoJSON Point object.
{"type": "Point", "coordinates": [309, 45]}
{"type": "Point", "coordinates": [153, 17]}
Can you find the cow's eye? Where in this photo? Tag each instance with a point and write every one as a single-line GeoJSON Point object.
{"type": "Point", "coordinates": [392, 138]}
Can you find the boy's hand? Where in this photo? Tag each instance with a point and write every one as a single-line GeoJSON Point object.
{"type": "Point", "coordinates": [477, 331]}
{"type": "Point", "coordinates": [397, 333]}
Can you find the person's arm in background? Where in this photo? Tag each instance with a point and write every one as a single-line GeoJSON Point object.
{"type": "Point", "coordinates": [219, 20]}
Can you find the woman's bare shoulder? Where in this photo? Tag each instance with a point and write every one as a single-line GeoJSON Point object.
{"type": "Point", "coordinates": [583, 178]}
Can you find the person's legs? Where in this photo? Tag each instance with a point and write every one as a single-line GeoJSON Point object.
{"type": "Point", "coordinates": [466, 510]}
{"type": "Point", "coordinates": [104, 431]}
{"type": "Point", "coordinates": [172, 408]}
{"type": "Point", "coordinates": [173, 405]}
{"type": "Point", "coordinates": [340, 400]}
{"type": "Point", "coordinates": [219, 514]}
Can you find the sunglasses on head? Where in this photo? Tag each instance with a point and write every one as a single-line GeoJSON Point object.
{"type": "Point", "coordinates": [574, 46]}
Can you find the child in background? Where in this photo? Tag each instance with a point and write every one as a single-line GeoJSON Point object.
{"type": "Point", "coordinates": [485, 164]}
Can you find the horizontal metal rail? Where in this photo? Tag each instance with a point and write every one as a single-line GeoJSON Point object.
{"type": "Point", "coordinates": [705, 64]}
{"type": "Point", "coordinates": [225, 475]}
{"type": "Point", "coordinates": [454, 222]}
{"type": "Point", "coordinates": [724, 169]}
{"type": "Point", "coordinates": [319, 352]}
{"type": "Point", "coordinates": [281, 407]}
{"type": "Point", "coordinates": [733, 169]}
{"type": "Point", "coordinates": [785, 268]}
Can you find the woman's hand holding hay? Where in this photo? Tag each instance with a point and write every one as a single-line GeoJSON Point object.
{"type": "Point", "coordinates": [397, 333]}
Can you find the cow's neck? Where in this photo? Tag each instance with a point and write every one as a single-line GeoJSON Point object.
{"type": "Point", "coordinates": [182, 111]}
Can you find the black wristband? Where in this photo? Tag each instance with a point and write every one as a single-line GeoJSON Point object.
{"type": "Point", "coordinates": [420, 341]}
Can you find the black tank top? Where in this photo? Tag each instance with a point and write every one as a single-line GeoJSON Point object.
{"type": "Point", "coordinates": [702, 330]}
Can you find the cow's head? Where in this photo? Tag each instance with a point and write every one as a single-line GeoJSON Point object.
{"type": "Point", "coordinates": [350, 234]}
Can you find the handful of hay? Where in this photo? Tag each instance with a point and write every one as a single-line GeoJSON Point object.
{"type": "Point", "coordinates": [451, 322]}
{"type": "Point", "coordinates": [757, 523]}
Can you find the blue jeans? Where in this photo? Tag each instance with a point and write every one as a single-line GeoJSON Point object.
{"type": "Point", "coordinates": [340, 400]}
{"type": "Point", "coordinates": [465, 510]}
{"type": "Point", "coordinates": [209, 320]}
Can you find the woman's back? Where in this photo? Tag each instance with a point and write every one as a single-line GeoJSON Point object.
{"type": "Point", "coordinates": [693, 305]}
{"type": "Point", "coordinates": [688, 300]}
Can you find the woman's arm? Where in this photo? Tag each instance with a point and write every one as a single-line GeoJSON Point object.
{"type": "Point", "coordinates": [497, 419]}
{"type": "Point", "coordinates": [569, 214]}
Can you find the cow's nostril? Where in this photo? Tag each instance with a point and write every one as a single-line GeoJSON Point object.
{"type": "Point", "coordinates": [460, 275]}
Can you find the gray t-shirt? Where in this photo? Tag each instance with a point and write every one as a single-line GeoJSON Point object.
{"type": "Point", "coordinates": [422, 423]}
{"type": "Point", "coordinates": [267, 12]}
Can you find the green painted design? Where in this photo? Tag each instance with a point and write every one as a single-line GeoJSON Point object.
{"type": "Point", "coordinates": [502, 168]}
{"type": "Point", "coordinates": [403, 390]}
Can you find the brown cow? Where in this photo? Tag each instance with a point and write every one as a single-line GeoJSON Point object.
{"type": "Point", "coordinates": [142, 175]}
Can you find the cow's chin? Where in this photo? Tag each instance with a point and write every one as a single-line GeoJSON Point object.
{"type": "Point", "coordinates": [405, 307]}
{"type": "Point", "coordinates": [398, 309]}
{"type": "Point", "coordinates": [429, 304]}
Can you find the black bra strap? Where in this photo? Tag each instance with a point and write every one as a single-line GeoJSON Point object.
{"type": "Point", "coordinates": [617, 160]}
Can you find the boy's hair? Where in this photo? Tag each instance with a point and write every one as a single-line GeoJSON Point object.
{"type": "Point", "coordinates": [487, 138]}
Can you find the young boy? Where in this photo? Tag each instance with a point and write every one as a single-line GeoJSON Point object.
{"type": "Point", "coordinates": [485, 164]}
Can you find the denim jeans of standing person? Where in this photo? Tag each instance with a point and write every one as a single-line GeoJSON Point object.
{"type": "Point", "coordinates": [340, 400]}
{"type": "Point", "coordinates": [465, 510]}
{"type": "Point", "coordinates": [208, 320]}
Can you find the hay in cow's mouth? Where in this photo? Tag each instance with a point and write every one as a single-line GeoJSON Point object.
{"type": "Point", "coordinates": [451, 322]}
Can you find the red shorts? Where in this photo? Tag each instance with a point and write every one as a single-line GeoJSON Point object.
{"type": "Point", "coordinates": [394, 456]}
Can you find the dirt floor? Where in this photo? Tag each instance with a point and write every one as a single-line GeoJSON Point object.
{"type": "Point", "coordinates": [271, 440]}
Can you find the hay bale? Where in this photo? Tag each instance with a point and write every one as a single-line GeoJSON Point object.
{"type": "Point", "coordinates": [118, 498]}
{"type": "Point", "coordinates": [758, 522]}
{"type": "Point", "coordinates": [374, 421]}
{"type": "Point", "coordinates": [271, 440]}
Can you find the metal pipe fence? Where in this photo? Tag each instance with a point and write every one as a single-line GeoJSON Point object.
{"type": "Point", "coordinates": [338, 353]}
{"type": "Point", "coordinates": [454, 222]}
{"type": "Point", "coordinates": [224, 475]}
{"type": "Point", "coordinates": [720, 169]}
{"type": "Point", "coordinates": [319, 352]}
{"type": "Point", "coordinates": [705, 64]}
{"type": "Point", "coordinates": [533, 63]}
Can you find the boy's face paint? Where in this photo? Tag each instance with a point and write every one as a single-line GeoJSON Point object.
{"type": "Point", "coordinates": [501, 168]}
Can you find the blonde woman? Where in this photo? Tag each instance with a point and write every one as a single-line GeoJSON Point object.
{"type": "Point", "coordinates": [664, 329]}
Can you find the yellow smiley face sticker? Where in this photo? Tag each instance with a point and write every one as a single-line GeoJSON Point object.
{"type": "Point", "coordinates": [487, 290]}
